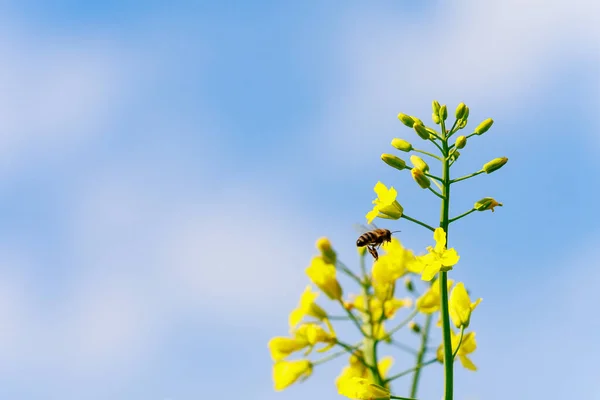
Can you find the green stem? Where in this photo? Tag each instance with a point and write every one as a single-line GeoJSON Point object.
{"type": "Point", "coordinates": [436, 145]}
{"type": "Point", "coordinates": [427, 153]}
{"type": "Point", "coordinates": [402, 346]}
{"type": "Point", "coordinates": [443, 280]}
{"type": "Point", "coordinates": [352, 317]}
{"type": "Point", "coordinates": [401, 398]}
{"type": "Point", "coordinates": [401, 324]}
{"type": "Point", "coordinates": [336, 355]}
{"type": "Point", "coordinates": [416, 221]}
{"type": "Point", "coordinates": [370, 343]}
{"type": "Point", "coordinates": [462, 332]}
{"type": "Point", "coordinates": [408, 371]}
{"type": "Point", "coordinates": [462, 178]}
{"type": "Point", "coordinates": [461, 215]}
{"type": "Point", "coordinates": [421, 355]}
{"type": "Point", "coordinates": [339, 265]}
{"type": "Point", "coordinates": [436, 193]}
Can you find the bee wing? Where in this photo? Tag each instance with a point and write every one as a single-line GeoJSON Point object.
{"type": "Point", "coordinates": [360, 228]}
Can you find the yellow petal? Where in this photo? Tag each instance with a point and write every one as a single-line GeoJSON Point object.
{"type": "Point", "coordinates": [467, 363]}
{"type": "Point", "coordinates": [440, 239]}
{"type": "Point", "coordinates": [449, 257]}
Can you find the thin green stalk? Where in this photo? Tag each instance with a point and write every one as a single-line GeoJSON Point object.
{"type": "Point", "coordinates": [443, 280]}
{"type": "Point", "coordinates": [461, 215]}
{"type": "Point", "coordinates": [436, 193]}
{"type": "Point", "coordinates": [401, 324]}
{"type": "Point", "coordinates": [339, 265]}
{"type": "Point", "coordinates": [427, 154]}
{"type": "Point", "coordinates": [416, 221]}
{"type": "Point", "coordinates": [421, 355]}
{"type": "Point", "coordinates": [403, 346]}
{"type": "Point", "coordinates": [436, 145]}
{"type": "Point", "coordinates": [352, 317]}
{"type": "Point", "coordinates": [370, 343]}
{"type": "Point", "coordinates": [462, 332]}
{"type": "Point", "coordinates": [335, 355]}
{"type": "Point", "coordinates": [408, 371]}
{"type": "Point", "coordinates": [462, 178]}
{"type": "Point", "coordinates": [401, 398]}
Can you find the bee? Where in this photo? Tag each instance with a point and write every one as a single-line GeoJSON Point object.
{"type": "Point", "coordinates": [374, 239]}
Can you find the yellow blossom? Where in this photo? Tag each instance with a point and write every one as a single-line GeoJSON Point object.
{"type": "Point", "coordinates": [312, 334]}
{"type": "Point", "coordinates": [395, 263]}
{"type": "Point", "coordinates": [439, 258]}
{"type": "Point", "coordinates": [323, 275]}
{"type": "Point", "coordinates": [430, 301]}
{"type": "Point", "coordinates": [282, 347]}
{"type": "Point", "coordinates": [285, 373]}
{"type": "Point", "coordinates": [362, 389]}
{"type": "Point", "coordinates": [467, 346]}
{"type": "Point", "coordinates": [391, 306]}
{"type": "Point", "coordinates": [460, 306]}
{"type": "Point", "coordinates": [356, 369]}
{"type": "Point", "coordinates": [385, 205]}
{"type": "Point", "coordinates": [324, 246]}
{"type": "Point", "coordinates": [307, 307]}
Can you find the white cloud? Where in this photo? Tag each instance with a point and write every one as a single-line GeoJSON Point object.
{"type": "Point", "coordinates": [491, 55]}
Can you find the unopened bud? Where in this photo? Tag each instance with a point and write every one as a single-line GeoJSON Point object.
{"type": "Point", "coordinates": [418, 162]}
{"type": "Point", "coordinates": [324, 246]}
{"type": "Point", "coordinates": [466, 114]}
{"type": "Point", "coordinates": [432, 133]}
{"type": "Point", "coordinates": [421, 131]}
{"type": "Point", "coordinates": [461, 142]}
{"type": "Point", "coordinates": [393, 161]}
{"type": "Point", "coordinates": [408, 284]}
{"type": "Point", "coordinates": [462, 124]}
{"type": "Point", "coordinates": [416, 328]}
{"type": "Point", "coordinates": [460, 110]}
{"type": "Point", "coordinates": [348, 305]}
{"type": "Point", "coordinates": [487, 203]}
{"type": "Point", "coordinates": [454, 155]}
{"type": "Point", "coordinates": [435, 106]}
{"type": "Point", "coordinates": [420, 178]}
{"type": "Point", "coordinates": [417, 120]}
{"type": "Point", "coordinates": [443, 112]}
{"type": "Point", "coordinates": [484, 126]}
{"type": "Point", "coordinates": [406, 120]}
{"type": "Point", "coordinates": [495, 164]}
{"type": "Point", "coordinates": [401, 144]}
{"type": "Point", "coordinates": [436, 118]}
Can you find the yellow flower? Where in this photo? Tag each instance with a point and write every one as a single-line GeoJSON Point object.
{"type": "Point", "coordinates": [439, 258]}
{"type": "Point", "coordinates": [391, 306]}
{"type": "Point", "coordinates": [468, 345]}
{"type": "Point", "coordinates": [460, 306]}
{"type": "Point", "coordinates": [362, 389]}
{"type": "Point", "coordinates": [356, 369]}
{"type": "Point", "coordinates": [312, 334]}
{"type": "Point", "coordinates": [307, 307]}
{"type": "Point", "coordinates": [285, 373]}
{"type": "Point", "coordinates": [395, 263]}
{"type": "Point", "coordinates": [430, 301]}
{"type": "Point", "coordinates": [282, 347]}
{"type": "Point", "coordinates": [323, 275]}
{"type": "Point", "coordinates": [385, 205]}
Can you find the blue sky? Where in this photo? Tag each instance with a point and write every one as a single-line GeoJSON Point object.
{"type": "Point", "coordinates": [166, 168]}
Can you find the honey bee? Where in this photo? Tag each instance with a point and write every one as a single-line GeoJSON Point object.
{"type": "Point", "coordinates": [374, 239]}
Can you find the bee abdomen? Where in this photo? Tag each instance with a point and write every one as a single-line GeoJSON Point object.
{"type": "Point", "coordinates": [365, 239]}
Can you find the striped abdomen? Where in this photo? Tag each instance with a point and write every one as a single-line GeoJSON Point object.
{"type": "Point", "coordinates": [374, 237]}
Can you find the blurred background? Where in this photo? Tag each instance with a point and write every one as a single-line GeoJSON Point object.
{"type": "Point", "coordinates": [166, 168]}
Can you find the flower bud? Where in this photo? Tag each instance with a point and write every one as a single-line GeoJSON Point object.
{"type": "Point", "coordinates": [461, 142]}
{"type": "Point", "coordinates": [393, 161]}
{"type": "Point", "coordinates": [432, 133]}
{"type": "Point", "coordinates": [454, 155]}
{"type": "Point", "coordinates": [487, 203]}
{"type": "Point", "coordinates": [418, 162]}
{"type": "Point", "coordinates": [495, 164]}
{"type": "Point", "coordinates": [417, 120]}
{"type": "Point", "coordinates": [484, 126]}
{"type": "Point", "coordinates": [421, 131]}
{"type": "Point", "coordinates": [414, 327]}
{"type": "Point", "coordinates": [327, 252]}
{"type": "Point", "coordinates": [420, 178]}
{"type": "Point", "coordinates": [406, 120]}
{"type": "Point", "coordinates": [409, 285]}
{"type": "Point", "coordinates": [466, 114]}
{"type": "Point", "coordinates": [401, 144]}
{"type": "Point", "coordinates": [436, 118]}
{"type": "Point", "coordinates": [435, 106]}
{"type": "Point", "coordinates": [460, 110]}
{"type": "Point", "coordinates": [443, 112]}
{"type": "Point", "coordinates": [462, 124]}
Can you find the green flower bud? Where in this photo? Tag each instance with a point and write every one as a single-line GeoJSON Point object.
{"type": "Point", "coordinates": [409, 285]}
{"type": "Point", "coordinates": [420, 178]}
{"type": "Point", "coordinates": [487, 203]}
{"type": "Point", "coordinates": [418, 162]}
{"type": "Point", "coordinates": [417, 120]}
{"type": "Point", "coordinates": [435, 106]}
{"type": "Point", "coordinates": [461, 142]}
{"type": "Point", "coordinates": [406, 120]}
{"type": "Point", "coordinates": [436, 118]}
{"type": "Point", "coordinates": [495, 164]}
{"type": "Point", "coordinates": [466, 114]}
{"type": "Point", "coordinates": [401, 144]}
{"type": "Point", "coordinates": [484, 126]}
{"type": "Point", "coordinates": [421, 131]}
{"type": "Point", "coordinates": [432, 132]}
{"type": "Point", "coordinates": [393, 161]}
{"type": "Point", "coordinates": [462, 123]}
{"type": "Point", "coordinates": [455, 154]}
{"type": "Point", "coordinates": [460, 110]}
{"type": "Point", "coordinates": [414, 327]}
{"type": "Point", "coordinates": [443, 112]}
